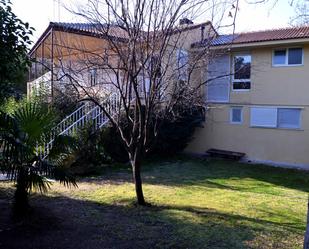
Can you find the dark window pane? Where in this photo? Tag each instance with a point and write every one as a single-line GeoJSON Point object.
{"type": "Point", "coordinates": [279, 57]}
{"type": "Point", "coordinates": [242, 67]}
{"type": "Point", "coordinates": [236, 115]}
{"type": "Point", "coordinates": [295, 56]}
{"type": "Point", "coordinates": [241, 85]}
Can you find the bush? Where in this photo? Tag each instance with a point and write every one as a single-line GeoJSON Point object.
{"type": "Point", "coordinates": [113, 146]}
{"type": "Point", "coordinates": [90, 155]}
{"type": "Point", "coordinates": [174, 134]}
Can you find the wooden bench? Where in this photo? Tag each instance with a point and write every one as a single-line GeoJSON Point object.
{"type": "Point", "coordinates": [225, 154]}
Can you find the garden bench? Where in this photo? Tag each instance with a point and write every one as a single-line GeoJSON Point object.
{"type": "Point", "coordinates": [225, 154]}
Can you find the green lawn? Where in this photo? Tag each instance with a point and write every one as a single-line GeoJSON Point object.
{"type": "Point", "coordinates": [195, 204]}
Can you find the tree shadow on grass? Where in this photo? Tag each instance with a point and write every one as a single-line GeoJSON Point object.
{"type": "Point", "coordinates": [62, 222]}
{"type": "Point", "coordinates": [214, 173]}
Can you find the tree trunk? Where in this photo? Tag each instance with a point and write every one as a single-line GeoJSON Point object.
{"type": "Point", "coordinates": [136, 169]}
{"type": "Point", "coordinates": [21, 204]}
{"type": "Point", "coordinates": [306, 241]}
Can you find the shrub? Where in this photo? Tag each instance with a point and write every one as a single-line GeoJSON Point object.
{"type": "Point", "coordinates": [90, 156]}
{"type": "Point", "coordinates": [174, 134]}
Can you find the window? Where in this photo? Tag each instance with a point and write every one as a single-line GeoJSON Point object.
{"type": "Point", "coordinates": [263, 117]}
{"type": "Point", "coordinates": [236, 115]}
{"type": "Point", "coordinates": [288, 118]}
{"type": "Point", "coordinates": [242, 72]}
{"type": "Point", "coordinates": [288, 57]}
{"type": "Point", "coordinates": [219, 79]}
{"type": "Point", "coordinates": [273, 117]}
{"type": "Point", "coordinates": [93, 76]}
{"type": "Point", "coordinates": [182, 64]}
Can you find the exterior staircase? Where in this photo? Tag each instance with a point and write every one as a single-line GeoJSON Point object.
{"type": "Point", "coordinates": [87, 113]}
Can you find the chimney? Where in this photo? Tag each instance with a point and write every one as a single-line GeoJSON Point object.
{"type": "Point", "coordinates": [185, 21]}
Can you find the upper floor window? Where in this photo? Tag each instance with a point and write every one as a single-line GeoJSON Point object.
{"type": "Point", "coordinates": [182, 64]}
{"type": "Point", "coordinates": [288, 57]}
{"type": "Point", "coordinates": [93, 76]}
{"type": "Point", "coordinates": [242, 72]}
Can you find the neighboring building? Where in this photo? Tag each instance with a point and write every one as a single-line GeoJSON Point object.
{"type": "Point", "coordinates": [261, 107]}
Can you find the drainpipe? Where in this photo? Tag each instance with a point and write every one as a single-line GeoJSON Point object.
{"type": "Point", "coordinates": [202, 33]}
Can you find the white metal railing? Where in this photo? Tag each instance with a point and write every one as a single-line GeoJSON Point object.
{"type": "Point", "coordinates": [40, 85]}
{"type": "Point", "coordinates": [85, 114]}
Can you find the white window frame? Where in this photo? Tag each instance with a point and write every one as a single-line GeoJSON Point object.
{"type": "Point", "coordinates": [277, 118]}
{"type": "Point", "coordinates": [231, 114]}
{"type": "Point", "coordinates": [240, 80]}
{"type": "Point", "coordinates": [286, 64]}
{"type": "Point", "coordinates": [269, 123]}
{"type": "Point", "coordinates": [298, 127]}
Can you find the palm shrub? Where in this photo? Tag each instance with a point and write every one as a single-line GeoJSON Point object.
{"type": "Point", "coordinates": [22, 132]}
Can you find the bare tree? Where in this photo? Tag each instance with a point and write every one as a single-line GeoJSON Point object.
{"type": "Point", "coordinates": [143, 70]}
{"type": "Point", "coordinates": [301, 16]}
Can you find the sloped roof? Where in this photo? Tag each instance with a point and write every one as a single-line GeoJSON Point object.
{"type": "Point", "coordinates": [102, 30]}
{"type": "Point", "coordinates": [257, 36]}
{"type": "Point", "coordinates": [91, 29]}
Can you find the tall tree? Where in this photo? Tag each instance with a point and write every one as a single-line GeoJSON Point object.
{"type": "Point", "coordinates": [301, 16]}
{"type": "Point", "coordinates": [145, 67]}
{"type": "Point", "coordinates": [14, 40]}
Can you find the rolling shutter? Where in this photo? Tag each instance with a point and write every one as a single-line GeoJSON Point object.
{"type": "Point", "coordinates": [218, 86]}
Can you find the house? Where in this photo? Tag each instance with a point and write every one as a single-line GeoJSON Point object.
{"type": "Point", "coordinates": [91, 59]}
{"type": "Point", "coordinates": [255, 86]}
{"type": "Point", "coordinates": [261, 106]}
{"type": "Point", "coordinates": [85, 51]}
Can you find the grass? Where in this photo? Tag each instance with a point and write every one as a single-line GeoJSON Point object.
{"type": "Point", "coordinates": [213, 204]}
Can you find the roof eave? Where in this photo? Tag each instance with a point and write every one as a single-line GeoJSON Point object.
{"type": "Point", "coordinates": [262, 44]}
{"type": "Point", "coordinates": [53, 27]}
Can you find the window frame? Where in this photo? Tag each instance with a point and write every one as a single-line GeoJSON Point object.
{"type": "Point", "coordinates": [241, 114]}
{"type": "Point", "coordinates": [277, 117]}
{"type": "Point", "coordinates": [286, 64]}
{"type": "Point", "coordinates": [298, 127]}
{"type": "Point", "coordinates": [233, 72]}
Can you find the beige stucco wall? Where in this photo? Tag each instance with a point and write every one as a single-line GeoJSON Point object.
{"type": "Point", "coordinates": [286, 85]}
{"type": "Point", "coordinates": [272, 86]}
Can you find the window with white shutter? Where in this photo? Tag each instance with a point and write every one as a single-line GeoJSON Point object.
{"type": "Point", "coordinates": [218, 78]}
{"type": "Point", "coordinates": [263, 117]}
{"type": "Point", "coordinates": [273, 117]}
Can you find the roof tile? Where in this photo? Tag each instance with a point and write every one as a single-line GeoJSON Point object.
{"type": "Point", "coordinates": [258, 36]}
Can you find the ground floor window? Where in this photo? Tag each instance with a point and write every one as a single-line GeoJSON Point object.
{"type": "Point", "coordinates": [274, 117]}
{"type": "Point", "coordinates": [236, 115]}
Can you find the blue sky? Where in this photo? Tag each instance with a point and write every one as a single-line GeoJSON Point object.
{"type": "Point", "coordinates": [250, 17]}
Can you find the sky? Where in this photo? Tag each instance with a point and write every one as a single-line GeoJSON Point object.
{"type": "Point", "coordinates": [249, 17]}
